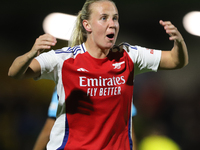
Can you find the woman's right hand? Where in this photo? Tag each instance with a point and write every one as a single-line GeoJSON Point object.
{"type": "Point", "coordinates": [25, 66]}
{"type": "Point", "coordinates": [43, 42]}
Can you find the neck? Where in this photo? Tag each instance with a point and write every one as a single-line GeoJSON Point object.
{"type": "Point", "coordinates": [96, 51]}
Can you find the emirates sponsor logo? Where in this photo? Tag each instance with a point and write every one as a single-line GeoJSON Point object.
{"type": "Point", "coordinates": [89, 82]}
{"type": "Point", "coordinates": [102, 86]}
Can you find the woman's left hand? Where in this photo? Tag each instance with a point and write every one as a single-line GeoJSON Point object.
{"type": "Point", "coordinates": [172, 31]}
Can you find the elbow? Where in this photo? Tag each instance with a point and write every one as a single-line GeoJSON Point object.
{"type": "Point", "coordinates": [182, 61]}
{"type": "Point", "coordinates": [13, 75]}
{"type": "Point", "coordinates": [182, 64]}
{"type": "Point", "coordinates": [186, 62]}
{"type": "Point", "coordinates": [10, 74]}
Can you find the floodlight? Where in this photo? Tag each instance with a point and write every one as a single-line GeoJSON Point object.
{"type": "Point", "coordinates": [59, 25]}
{"type": "Point", "coordinates": [191, 22]}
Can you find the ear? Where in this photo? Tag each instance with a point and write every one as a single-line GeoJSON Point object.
{"type": "Point", "coordinates": [87, 25]}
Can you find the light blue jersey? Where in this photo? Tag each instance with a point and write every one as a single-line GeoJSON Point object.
{"type": "Point", "coordinates": [134, 110]}
{"type": "Point", "coordinates": [53, 105]}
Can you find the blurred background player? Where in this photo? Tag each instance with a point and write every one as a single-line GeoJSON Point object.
{"type": "Point", "coordinates": [43, 137]}
{"type": "Point", "coordinates": [133, 113]}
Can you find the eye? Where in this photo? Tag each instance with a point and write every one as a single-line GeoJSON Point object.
{"type": "Point", "coordinates": [103, 18]}
{"type": "Point", "coordinates": [115, 18]}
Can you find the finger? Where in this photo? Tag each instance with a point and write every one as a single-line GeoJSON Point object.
{"type": "Point", "coordinates": [42, 47]}
{"type": "Point", "coordinates": [48, 43]}
{"type": "Point", "coordinates": [175, 35]}
{"type": "Point", "coordinates": [167, 25]}
{"type": "Point", "coordinates": [173, 38]}
{"type": "Point", "coordinates": [161, 22]}
{"type": "Point", "coordinates": [170, 29]}
{"type": "Point", "coordinates": [44, 43]}
{"type": "Point", "coordinates": [48, 38]}
{"type": "Point", "coordinates": [40, 42]}
{"type": "Point", "coordinates": [171, 32]}
{"type": "Point", "coordinates": [166, 22]}
{"type": "Point", "coordinates": [51, 38]}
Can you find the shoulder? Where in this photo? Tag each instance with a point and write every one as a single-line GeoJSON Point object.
{"type": "Point", "coordinates": [71, 50]}
{"type": "Point", "coordinates": [127, 47]}
{"type": "Point", "coordinates": [131, 50]}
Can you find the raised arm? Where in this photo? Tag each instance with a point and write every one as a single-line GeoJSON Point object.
{"type": "Point", "coordinates": [178, 56]}
{"type": "Point", "coordinates": [26, 66]}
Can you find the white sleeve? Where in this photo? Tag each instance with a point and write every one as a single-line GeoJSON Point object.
{"type": "Point", "coordinates": [145, 60]}
{"type": "Point", "coordinates": [48, 62]}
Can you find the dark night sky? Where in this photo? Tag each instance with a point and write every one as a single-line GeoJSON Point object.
{"type": "Point", "coordinates": [21, 21]}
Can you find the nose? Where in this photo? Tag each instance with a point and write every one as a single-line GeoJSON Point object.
{"type": "Point", "coordinates": [112, 23]}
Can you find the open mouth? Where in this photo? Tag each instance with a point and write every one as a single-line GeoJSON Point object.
{"type": "Point", "coordinates": [110, 36]}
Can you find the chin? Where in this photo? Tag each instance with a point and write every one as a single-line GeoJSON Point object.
{"type": "Point", "coordinates": [107, 45]}
{"type": "Point", "coordinates": [110, 45]}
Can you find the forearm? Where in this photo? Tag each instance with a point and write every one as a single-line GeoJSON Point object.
{"type": "Point", "coordinates": [41, 142]}
{"type": "Point", "coordinates": [180, 54]}
{"type": "Point", "coordinates": [134, 147]}
{"type": "Point", "coordinates": [20, 65]}
{"type": "Point", "coordinates": [43, 138]}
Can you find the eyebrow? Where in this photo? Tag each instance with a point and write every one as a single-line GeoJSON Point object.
{"type": "Point", "coordinates": [107, 15]}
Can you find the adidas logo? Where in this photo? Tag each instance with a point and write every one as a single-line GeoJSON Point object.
{"type": "Point", "coordinates": [82, 69]}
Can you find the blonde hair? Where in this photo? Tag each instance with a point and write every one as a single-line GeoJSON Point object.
{"type": "Point", "coordinates": [79, 34]}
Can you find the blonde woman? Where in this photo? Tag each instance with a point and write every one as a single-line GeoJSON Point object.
{"type": "Point", "coordinates": [95, 78]}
